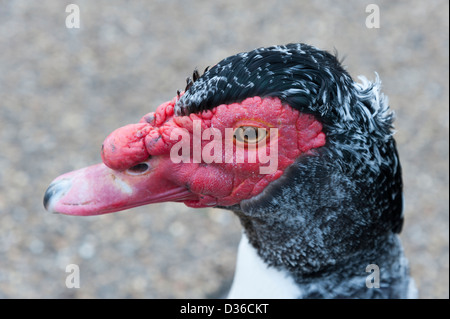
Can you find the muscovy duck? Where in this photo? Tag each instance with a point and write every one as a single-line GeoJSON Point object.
{"type": "Point", "coordinates": [319, 204]}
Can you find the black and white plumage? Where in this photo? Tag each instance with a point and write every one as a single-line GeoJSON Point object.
{"type": "Point", "coordinates": [331, 215]}
{"type": "Point", "coordinates": [310, 233]}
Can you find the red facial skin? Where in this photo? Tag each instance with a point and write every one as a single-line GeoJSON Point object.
{"type": "Point", "coordinates": [121, 184]}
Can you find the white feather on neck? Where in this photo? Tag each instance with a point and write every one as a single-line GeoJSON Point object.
{"type": "Point", "coordinates": [255, 279]}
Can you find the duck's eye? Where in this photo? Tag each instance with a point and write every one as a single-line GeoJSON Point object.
{"type": "Point", "coordinates": [138, 169]}
{"type": "Point", "coordinates": [249, 135]}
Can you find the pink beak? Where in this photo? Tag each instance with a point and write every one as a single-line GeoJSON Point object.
{"type": "Point", "coordinates": [98, 190]}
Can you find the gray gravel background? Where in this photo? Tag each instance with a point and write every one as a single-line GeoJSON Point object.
{"type": "Point", "coordinates": [63, 90]}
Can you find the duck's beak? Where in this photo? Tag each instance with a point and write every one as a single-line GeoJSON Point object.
{"type": "Point", "coordinates": [98, 189]}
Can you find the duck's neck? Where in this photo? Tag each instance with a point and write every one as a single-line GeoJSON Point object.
{"type": "Point", "coordinates": [282, 263]}
{"type": "Point", "coordinates": [322, 226]}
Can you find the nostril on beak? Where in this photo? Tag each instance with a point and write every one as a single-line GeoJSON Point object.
{"type": "Point", "coordinates": [138, 169]}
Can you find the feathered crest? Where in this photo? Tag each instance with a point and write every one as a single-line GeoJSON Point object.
{"type": "Point", "coordinates": [191, 80]}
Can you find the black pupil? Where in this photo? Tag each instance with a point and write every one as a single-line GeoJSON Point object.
{"type": "Point", "coordinates": [250, 133]}
{"type": "Point", "coordinates": [139, 168]}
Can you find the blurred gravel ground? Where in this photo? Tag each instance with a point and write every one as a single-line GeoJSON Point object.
{"type": "Point", "coordinates": [63, 90]}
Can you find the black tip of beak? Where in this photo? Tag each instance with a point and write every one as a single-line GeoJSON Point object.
{"type": "Point", "coordinates": [49, 193]}
{"type": "Point", "coordinates": [55, 191]}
